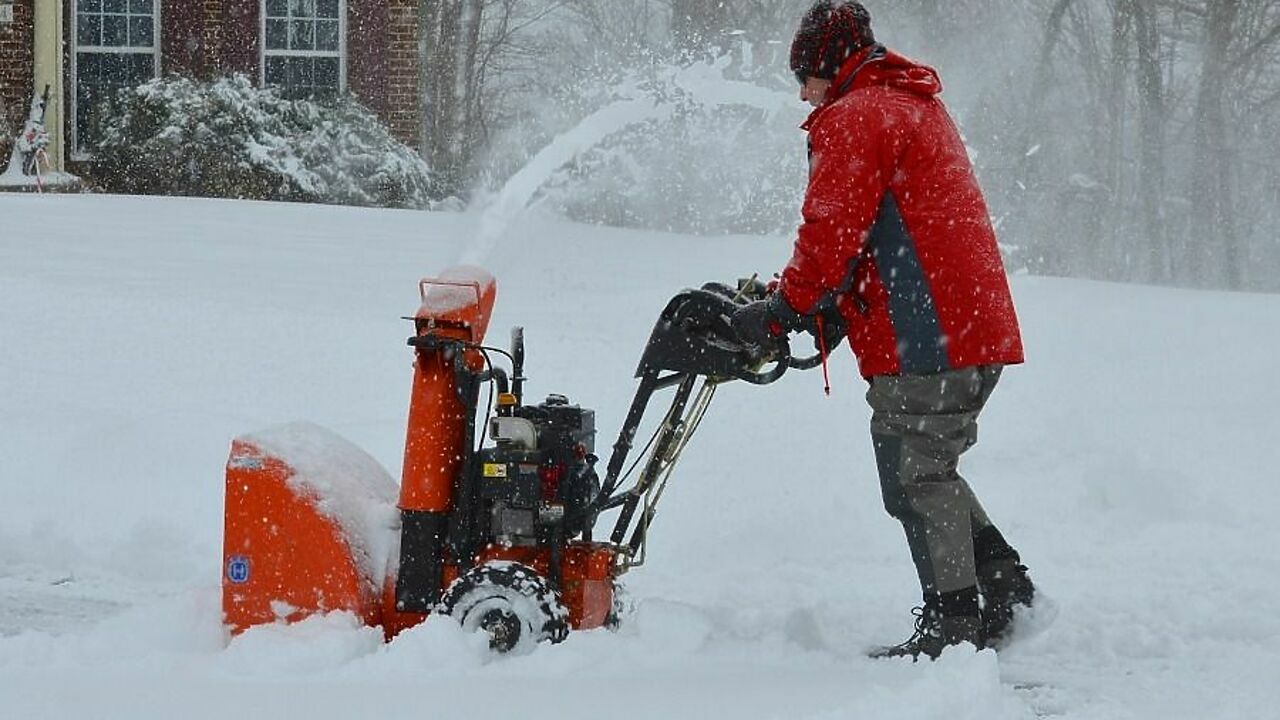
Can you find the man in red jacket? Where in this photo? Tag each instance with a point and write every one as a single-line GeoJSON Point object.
{"type": "Point", "coordinates": [897, 246]}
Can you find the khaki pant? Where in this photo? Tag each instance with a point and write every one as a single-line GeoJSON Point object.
{"type": "Point", "coordinates": [920, 425]}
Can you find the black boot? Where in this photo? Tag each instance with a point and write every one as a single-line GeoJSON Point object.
{"type": "Point", "coordinates": [1003, 581]}
{"type": "Point", "coordinates": [1005, 587]}
{"type": "Point", "coordinates": [935, 632]}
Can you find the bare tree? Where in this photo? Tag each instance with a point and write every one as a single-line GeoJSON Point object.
{"type": "Point", "coordinates": [1124, 139]}
{"type": "Point", "coordinates": [1214, 240]}
{"type": "Point", "coordinates": [1250, 107]}
{"type": "Point", "coordinates": [698, 25]}
{"type": "Point", "coordinates": [1131, 93]}
{"type": "Point", "coordinates": [1134, 249]}
{"type": "Point", "coordinates": [1114, 260]}
{"type": "Point", "coordinates": [1155, 260]}
{"type": "Point", "coordinates": [467, 47]}
{"type": "Point", "coordinates": [629, 29]}
{"type": "Point", "coordinates": [450, 33]}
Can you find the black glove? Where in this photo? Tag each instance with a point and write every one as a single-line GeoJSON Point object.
{"type": "Point", "coordinates": [832, 329]}
{"type": "Point", "coordinates": [762, 322]}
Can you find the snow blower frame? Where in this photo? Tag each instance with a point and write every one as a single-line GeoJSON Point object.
{"type": "Point", "coordinates": [498, 535]}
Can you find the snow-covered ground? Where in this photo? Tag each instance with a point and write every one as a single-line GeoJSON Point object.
{"type": "Point", "coordinates": [1131, 460]}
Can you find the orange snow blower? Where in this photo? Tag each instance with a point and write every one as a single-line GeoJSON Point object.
{"type": "Point", "coordinates": [496, 531]}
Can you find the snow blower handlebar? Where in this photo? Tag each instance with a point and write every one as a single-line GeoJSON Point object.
{"type": "Point", "coordinates": [695, 335]}
{"type": "Point", "coordinates": [693, 338]}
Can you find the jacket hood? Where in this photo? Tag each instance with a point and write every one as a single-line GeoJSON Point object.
{"type": "Point", "coordinates": [878, 65]}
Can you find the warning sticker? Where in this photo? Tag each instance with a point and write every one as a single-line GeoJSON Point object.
{"type": "Point", "coordinates": [495, 470]}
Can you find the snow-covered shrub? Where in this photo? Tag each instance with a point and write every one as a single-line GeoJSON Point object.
{"type": "Point", "coordinates": [227, 138]}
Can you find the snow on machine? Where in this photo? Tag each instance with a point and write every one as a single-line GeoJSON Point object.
{"type": "Point", "coordinates": [497, 531]}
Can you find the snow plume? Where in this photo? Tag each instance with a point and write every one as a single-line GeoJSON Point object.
{"type": "Point", "coordinates": [639, 101]}
{"type": "Point", "coordinates": [709, 88]}
{"type": "Point", "coordinates": [497, 217]}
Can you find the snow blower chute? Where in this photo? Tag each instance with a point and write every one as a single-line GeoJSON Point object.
{"type": "Point", "coordinates": [493, 522]}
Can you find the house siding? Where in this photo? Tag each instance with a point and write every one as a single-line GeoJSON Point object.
{"type": "Point", "coordinates": [208, 38]}
{"type": "Point", "coordinates": [182, 38]}
{"type": "Point", "coordinates": [240, 48]}
{"type": "Point", "coordinates": [403, 109]}
{"type": "Point", "coordinates": [213, 36]}
{"type": "Point", "coordinates": [17, 71]}
{"type": "Point", "coordinates": [367, 67]}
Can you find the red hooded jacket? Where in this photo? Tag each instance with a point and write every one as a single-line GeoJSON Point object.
{"type": "Point", "coordinates": [896, 231]}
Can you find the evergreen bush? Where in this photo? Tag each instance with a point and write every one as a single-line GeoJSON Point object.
{"type": "Point", "coordinates": [229, 139]}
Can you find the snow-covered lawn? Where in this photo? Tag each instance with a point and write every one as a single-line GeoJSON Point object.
{"type": "Point", "coordinates": [1131, 460]}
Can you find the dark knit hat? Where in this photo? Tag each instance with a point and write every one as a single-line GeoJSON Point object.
{"type": "Point", "coordinates": [830, 32]}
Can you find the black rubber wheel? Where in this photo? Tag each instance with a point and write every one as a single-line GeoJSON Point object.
{"type": "Point", "coordinates": [510, 602]}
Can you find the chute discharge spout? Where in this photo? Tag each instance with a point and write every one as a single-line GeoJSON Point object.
{"type": "Point", "coordinates": [454, 314]}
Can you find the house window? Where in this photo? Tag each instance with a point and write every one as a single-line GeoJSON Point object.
{"type": "Point", "coordinates": [116, 46]}
{"type": "Point", "coordinates": [303, 45]}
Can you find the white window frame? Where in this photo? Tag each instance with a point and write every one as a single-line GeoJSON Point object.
{"type": "Point", "coordinates": [341, 54]}
{"type": "Point", "coordinates": [155, 51]}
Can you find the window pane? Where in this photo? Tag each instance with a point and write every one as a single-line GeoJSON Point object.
{"type": "Point", "coordinates": [277, 8]}
{"type": "Point", "coordinates": [300, 72]}
{"type": "Point", "coordinates": [115, 30]}
{"type": "Point", "coordinates": [140, 7]}
{"type": "Point", "coordinates": [89, 29]}
{"type": "Point", "coordinates": [327, 35]}
{"type": "Point", "coordinates": [116, 69]}
{"type": "Point", "coordinates": [86, 101]}
{"type": "Point", "coordinates": [277, 34]}
{"type": "Point", "coordinates": [141, 68]}
{"type": "Point", "coordinates": [326, 73]}
{"type": "Point", "coordinates": [140, 34]}
{"type": "Point", "coordinates": [115, 6]}
{"type": "Point", "coordinates": [277, 71]}
{"type": "Point", "coordinates": [89, 6]}
{"type": "Point", "coordinates": [301, 35]}
{"type": "Point", "coordinates": [99, 78]}
{"type": "Point", "coordinates": [113, 69]}
{"type": "Point", "coordinates": [87, 67]}
{"type": "Point", "coordinates": [327, 8]}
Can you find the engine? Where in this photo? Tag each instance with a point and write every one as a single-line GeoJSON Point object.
{"type": "Point", "coordinates": [538, 479]}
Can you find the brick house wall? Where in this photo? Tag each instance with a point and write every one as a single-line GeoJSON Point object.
{"type": "Point", "coordinates": [403, 111]}
{"type": "Point", "coordinates": [381, 52]}
{"type": "Point", "coordinates": [182, 44]}
{"type": "Point", "coordinates": [17, 68]}
{"type": "Point", "coordinates": [208, 38]}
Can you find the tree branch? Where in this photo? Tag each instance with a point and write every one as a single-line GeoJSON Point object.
{"type": "Point", "coordinates": [1258, 45]}
{"type": "Point", "coordinates": [1186, 7]}
{"type": "Point", "coordinates": [1273, 97]}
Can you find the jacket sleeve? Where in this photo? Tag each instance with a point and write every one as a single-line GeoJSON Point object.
{"type": "Point", "coordinates": [853, 155]}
